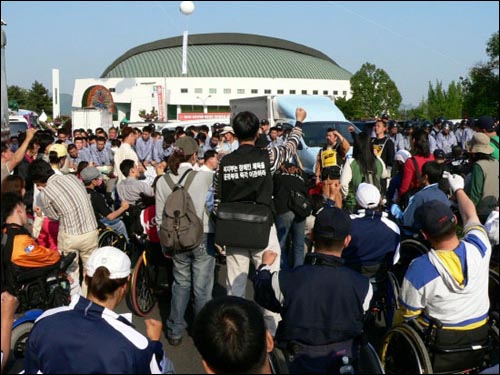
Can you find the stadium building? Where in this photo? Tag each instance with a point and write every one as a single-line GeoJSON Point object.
{"type": "Point", "coordinates": [220, 67]}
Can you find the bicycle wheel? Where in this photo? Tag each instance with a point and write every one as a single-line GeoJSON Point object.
{"type": "Point", "coordinates": [391, 303]}
{"type": "Point", "coordinates": [409, 250]}
{"type": "Point", "coordinates": [111, 238]}
{"type": "Point", "coordinates": [404, 352]}
{"type": "Point", "coordinates": [19, 339]}
{"type": "Point", "coordinates": [140, 296]}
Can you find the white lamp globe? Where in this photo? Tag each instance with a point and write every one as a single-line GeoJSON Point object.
{"type": "Point", "coordinates": [187, 7]}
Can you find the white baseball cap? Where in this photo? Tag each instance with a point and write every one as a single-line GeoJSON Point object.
{"type": "Point", "coordinates": [367, 196]}
{"type": "Point", "coordinates": [115, 260]}
{"type": "Point", "coordinates": [402, 155]}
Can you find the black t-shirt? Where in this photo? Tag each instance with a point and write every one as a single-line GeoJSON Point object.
{"type": "Point", "coordinates": [99, 205]}
{"type": "Point", "coordinates": [384, 148]}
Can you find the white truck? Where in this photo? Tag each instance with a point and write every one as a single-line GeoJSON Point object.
{"type": "Point", "coordinates": [322, 113]}
{"type": "Point", "coordinates": [91, 118]}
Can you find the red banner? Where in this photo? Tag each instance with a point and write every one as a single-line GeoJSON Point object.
{"type": "Point", "coordinates": [190, 116]}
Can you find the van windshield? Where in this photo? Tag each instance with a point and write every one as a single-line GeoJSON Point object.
{"type": "Point", "coordinates": [17, 127]}
{"type": "Point", "coordinates": [314, 133]}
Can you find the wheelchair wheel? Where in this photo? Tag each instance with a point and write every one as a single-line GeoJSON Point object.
{"type": "Point", "coordinates": [111, 238]}
{"type": "Point", "coordinates": [19, 338]}
{"type": "Point", "coordinates": [391, 303]}
{"type": "Point", "coordinates": [409, 250]}
{"type": "Point", "coordinates": [404, 352]}
{"type": "Point", "coordinates": [141, 297]}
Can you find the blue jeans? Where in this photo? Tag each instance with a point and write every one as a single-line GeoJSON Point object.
{"type": "Point", "coordinates": [117, 225]}
{"type": "Point", "coordinates": [286, 223]}
{"type": "Point", "coordinates": [199, 266]}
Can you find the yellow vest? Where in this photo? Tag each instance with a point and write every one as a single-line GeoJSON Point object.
{"type": "Point", "coordinates": [328, 158]}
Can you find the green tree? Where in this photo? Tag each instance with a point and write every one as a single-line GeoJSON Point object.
{"type": "Point", "coordinates": [482, 85]}
{"type": "Point", "coordinates": [373, 92]}
{"type": "Point", "coordinates": [39, 99]}
{"type": "Point", "coordinates": [447, 103]}
{"type": "Point", "coordinates": [346, 106]}
{"type": "Point", "coordinates": [18, 95]}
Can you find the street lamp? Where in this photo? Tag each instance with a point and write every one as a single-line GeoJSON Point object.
{"type": "Point", "coordinates": [203, 101]}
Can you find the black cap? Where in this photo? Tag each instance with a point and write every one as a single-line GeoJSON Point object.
{"type": "Point", "coordinates": [486, 123]}
{"type": "Point", "coordinates": [332, 223]}
{"type": "Point", "coordinates": [434, 218]}
{"type": "Point", "coordinates": [439, 154]}
{"type": "Point", "coordinates": [264, 122]}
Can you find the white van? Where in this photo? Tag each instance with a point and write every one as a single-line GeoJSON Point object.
{"type": "Point", "coordinates": [322, 113]}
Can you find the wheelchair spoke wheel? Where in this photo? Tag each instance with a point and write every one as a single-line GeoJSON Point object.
{"type": "Point", "coordinates": [112, 238]}
{"type": "Point", "coordinates": [19, 339]}
{"type": "Point", "coordinates": [404, 352]}
{"type": "Point", "coordinates": [140, 297]}
{"type": "Point", "coordinates": [391, 303]}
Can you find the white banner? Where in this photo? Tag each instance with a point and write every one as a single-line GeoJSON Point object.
{"type": "Point", "coordinates": [184, 52]}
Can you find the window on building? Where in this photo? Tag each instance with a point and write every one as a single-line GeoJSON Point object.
{"type": "Point", "coordinates": [227, 91]}
{"type": "Point", "coordinates": [254, 91]}
{"type": "Point", "coordinates": [335, 92]}
{"type": "Point", "coordinates": [344, 93]}
{"type": "Point", "coordinates": [292, 92]}
{"type": "Point", "coordinates": [315, 92]}
{"type": "Point", "coordinates": [198, 91]}
{"type": "Point", "coordinates": [304, 92]}
{"type": "Point", "coordinates": [212, 91]}
{"type": "Point", "coordinates": [325, 92]}
{"type": "Point", "coordinates": [184, 91]}
{"type": "Point", "coordinates": [241, 91]}
{"type": "Point", "coordinates": [267, 91]}
{"type": "Point", "coordinates": [280, 92]}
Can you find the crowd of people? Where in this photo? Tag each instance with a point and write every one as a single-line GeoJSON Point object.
{"type": "Point", "coordinates": [314, 265]}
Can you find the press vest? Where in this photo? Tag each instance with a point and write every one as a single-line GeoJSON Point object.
{"type": "Point", "coordinates": [328, 157]}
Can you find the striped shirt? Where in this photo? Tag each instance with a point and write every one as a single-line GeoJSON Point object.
{"type": "Point", "coordinates": [65, 199]}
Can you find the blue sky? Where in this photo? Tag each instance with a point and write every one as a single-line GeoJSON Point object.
{"type": "Point", "coordinates": [414, 42]}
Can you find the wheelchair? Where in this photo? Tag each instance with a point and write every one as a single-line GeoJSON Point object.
{"type": "Point", "coordinates": [409, 249]}
{"type": "Point", "coordinates": [384, 302]}
{"type": "Point", "coordinates": [410, 348]}
{"type": "Point", "coordinates": [44, 287]}
{"type": "Point", "coordinates": [109, 237]}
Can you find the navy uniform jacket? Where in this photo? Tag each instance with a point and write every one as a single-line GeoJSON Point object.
{"type": "Point", "coordinates": [319, 304]}
{"type": "Point", "coordinates": [86, 338]}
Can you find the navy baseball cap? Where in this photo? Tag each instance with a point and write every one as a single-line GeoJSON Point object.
{"type": "Point", "coordinates": [332, 223]}
{"type": "Point", "coordinates": [435, 218]}
{"type": "Point", "coordinates": [486, 123]}
{"type": "Point", "coordinates": [439, 154]}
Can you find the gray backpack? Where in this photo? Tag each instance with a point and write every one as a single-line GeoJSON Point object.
{"type": "Point", "coordinates": [181, 229]}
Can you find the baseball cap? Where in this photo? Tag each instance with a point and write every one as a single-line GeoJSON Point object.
{"type": "Point", "coordinates": [332, 223]}
{"type": "Point", "coordinates": [227, 129]}
{"type": "Point", "coordinates": [89, 173]}
{"type": "Point", "coordinates": [279, 127]}
{"type": "Point", "coordinates": [264, 122]}
{"type": "Point", "coordinates": [113, 259]}
{"type": "Point", "coordinates": [486, 123]}
{"type": "Point", "coordinates": [402, 155]}
{"type": "Point", "coordinates": [439, 154]}
{"type": "Point", "coordinates": [59, 149]}
{"type": "Point", "coordinates": [187, 144]}
{"type": "Point", "coordinates": [434, 218]}
{"type": "Point", "coordinates": [367, 196]}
